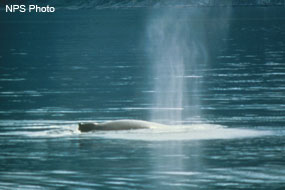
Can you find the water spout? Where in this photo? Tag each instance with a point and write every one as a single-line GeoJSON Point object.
{"type": "Point", "coordinates": [177, 47]}
{"type": "Point", "coordinates": [168, 35]}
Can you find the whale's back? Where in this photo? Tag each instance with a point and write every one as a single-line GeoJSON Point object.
{"type": "Point", "coordinates": [117, 125]}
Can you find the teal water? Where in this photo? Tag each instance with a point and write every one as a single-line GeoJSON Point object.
{"type": "Point", "coordinates": [93, 65]}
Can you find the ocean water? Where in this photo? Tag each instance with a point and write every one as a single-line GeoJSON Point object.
{"type": "Point", "coordinates": [93, 65]}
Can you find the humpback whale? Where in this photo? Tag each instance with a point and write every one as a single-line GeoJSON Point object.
{"type": "Point", "coordinates": [117, 125]}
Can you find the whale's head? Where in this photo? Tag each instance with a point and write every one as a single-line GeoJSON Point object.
{"type": "Point", "coordinates": [86, 127]}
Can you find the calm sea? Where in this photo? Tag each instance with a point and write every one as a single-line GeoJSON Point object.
{"type": "Point", "coordinates": [93, 65]}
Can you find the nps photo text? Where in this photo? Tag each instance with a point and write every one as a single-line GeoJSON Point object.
{"type": "Point", "coordinates": [29, 8]}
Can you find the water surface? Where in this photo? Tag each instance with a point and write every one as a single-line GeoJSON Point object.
{"type": "Point", "coordinates": [92, 65]}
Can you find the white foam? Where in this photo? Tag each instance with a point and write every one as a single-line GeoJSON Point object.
{"type": "Point", "coordinates": [51, 131]}
{"type": "Point", "coordinates": [156, 132]}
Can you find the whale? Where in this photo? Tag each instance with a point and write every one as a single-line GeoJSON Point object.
{"type": "Point", "coordinates": [115, 125]}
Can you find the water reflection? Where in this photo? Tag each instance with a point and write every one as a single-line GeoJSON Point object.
{"type": "Point", "coordinates": [175, 164]}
